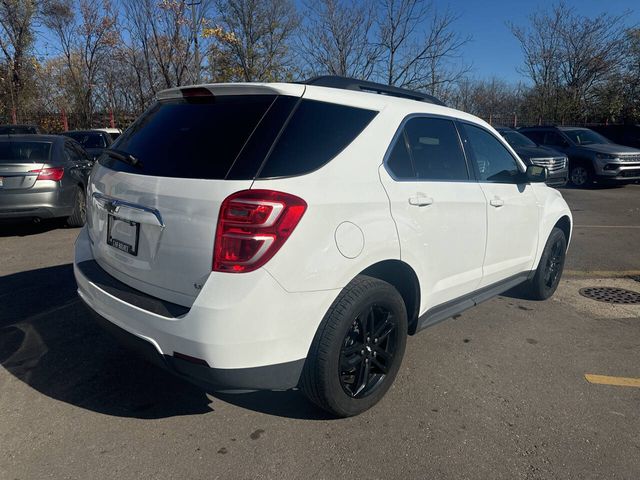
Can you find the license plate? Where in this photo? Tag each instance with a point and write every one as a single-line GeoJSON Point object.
{"type": "Point", "coordinates": [123, 234]}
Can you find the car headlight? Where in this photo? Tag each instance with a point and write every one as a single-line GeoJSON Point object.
{"type": "Point", "coordinates": [605, 156]}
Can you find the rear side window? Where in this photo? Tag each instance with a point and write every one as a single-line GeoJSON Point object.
{"type": "Point", "coordinates": [191, 138]}
{"type": "Point", "coordinates": [316, 133]}
{"type": "Point", "coordinates": [24, 152]}
{"type": "Point", "coordinates": [428, 149]}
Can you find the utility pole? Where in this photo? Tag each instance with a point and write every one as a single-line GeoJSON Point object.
{"type": "Point", "coordinates": [194, 35]}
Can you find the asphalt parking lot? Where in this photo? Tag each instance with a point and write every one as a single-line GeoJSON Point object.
{"type": "Point", "coordinates": [498, 393]}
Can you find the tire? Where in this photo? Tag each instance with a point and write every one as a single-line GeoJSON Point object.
{"type": "Point", "coordinates": [79, 214]}
{"type": "Point", "coordinates": [547, 277]}
{"type": "Point", "coordinates": [581, 175]}
{"type": "Point", "coordinates": [347, 370]}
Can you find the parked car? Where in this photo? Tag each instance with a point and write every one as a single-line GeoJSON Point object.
{"type": "Point", "coordinates": [268, 236]}
{"type": "Point", "coordinates": [628, 135]}
{"type": "Point", "coordinates": [93, 141]}
{"type": "Point", "coordinates": [43, 176]}
{"type": "Point", "coordinates": [19, 129]}
{"type": "Point", "coordinates": [591, 156]}
{"type": "Point", "coordinates": [113, 132]}
{"type": "Point", "coordinates": [556, 163]}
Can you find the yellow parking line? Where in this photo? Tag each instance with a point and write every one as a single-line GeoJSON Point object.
{"type": "Point", "coordinates": [617, 381]}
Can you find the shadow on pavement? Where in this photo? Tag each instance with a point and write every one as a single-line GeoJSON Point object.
{"type": "Point", "coordinates": [25, 228]}
{"type": "Point", "coordinates": [49, 341]}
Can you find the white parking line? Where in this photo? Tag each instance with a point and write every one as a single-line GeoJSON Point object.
{"type": "Point", "coordinates": [606, 226]}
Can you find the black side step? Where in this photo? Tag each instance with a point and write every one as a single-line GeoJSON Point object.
{"type": "Point", "coordinates": [453, 307]}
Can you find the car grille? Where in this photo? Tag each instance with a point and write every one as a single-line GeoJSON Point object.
{"type": "Point", "coordinates": [554, 164]}
{"type": "Point", "coordinates": [635, 157]}
{"type": "Point", "coordinates": [630, 173]}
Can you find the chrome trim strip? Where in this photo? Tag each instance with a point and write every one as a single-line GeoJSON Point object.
{"type": "Point", "coordinates": [112, 205]}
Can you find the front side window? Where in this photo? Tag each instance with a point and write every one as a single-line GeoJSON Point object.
{"type": "Point", "coordinates": [428, 149]}
{"type": "Point", "coordinates": [584, 136]}
{"type": "Point", "coordinates": [495, 163]}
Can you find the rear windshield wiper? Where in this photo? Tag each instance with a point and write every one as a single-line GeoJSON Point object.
{"type": "Point", "coordinates": [123, 157]}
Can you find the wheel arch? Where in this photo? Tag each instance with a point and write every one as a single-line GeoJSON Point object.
{"type": "Point", "coordinates": [564, 224]}
{"type": "Point", "coordinates": [403, 277]}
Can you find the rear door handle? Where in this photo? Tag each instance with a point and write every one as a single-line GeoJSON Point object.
{"type": "Point", "coordinates": [420, 200]}
{"type": "Point", "coordinates": [496, 202]}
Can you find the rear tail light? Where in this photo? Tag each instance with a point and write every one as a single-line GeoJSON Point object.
{"type": "Point", "coordinates": [55, 173]}
{"type": "Point", "coordinates": [252, 226]}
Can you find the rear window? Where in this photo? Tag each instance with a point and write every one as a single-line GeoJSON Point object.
{"type": "Point", "coordinates": [191, 139]}
{"type": "Point", "coordinates": [24, 152]}
{"type": "Point", "coordinates": [231, 137]}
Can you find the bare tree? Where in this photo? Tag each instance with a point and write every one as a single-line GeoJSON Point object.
{"type": "Point", "coordinates": [16, 41]}
{"type": "Point", "coordinates": [568, 57]}
{"type": "Point", "coordinates": [417, 57]}
{"type": "Point", "coordinates": [161, 35]}
{"type": "Point", "coordinates": [86, 42]}
{"type": "Point", "coordinates": [541, 45]}
{"type": "Point", "coordinates": [257, 35]}
{"type": "Point", "coordinates": [337, 38]}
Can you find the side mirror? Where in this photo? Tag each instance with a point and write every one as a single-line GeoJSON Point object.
{"type": "Point", "coordinates": [536, 173]}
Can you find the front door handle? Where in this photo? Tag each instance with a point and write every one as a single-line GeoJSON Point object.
{"type": "Point", "coordinates": [420, 200]}
{"type": "Point", "coordinates": [496, 202]}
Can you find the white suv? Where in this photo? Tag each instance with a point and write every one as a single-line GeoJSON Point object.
{"type": "Point", "coordinates": [273, 236]}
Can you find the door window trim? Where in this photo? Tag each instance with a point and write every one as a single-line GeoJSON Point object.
{"type": "Point", "coordinates": [473, 177]}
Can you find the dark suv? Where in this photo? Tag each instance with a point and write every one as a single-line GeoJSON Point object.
{"type": "Point", "coordinates": [93, 141]}
{"type": "Point", "coordinates": [43, 176]}
{"type": "Point", "coordinates": [591, 156]}
{"type": "Point", "coordinates": [557, 163]}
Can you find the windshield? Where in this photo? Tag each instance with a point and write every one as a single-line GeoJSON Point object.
{"type": "Point", "coordinates": [88, 139]}
{"type": "Point", "coordinates": [516, 139]}
{"type": "Point", "coordinates": [24, 152]}
{"type": "Point", "coordinates": [584, 136]}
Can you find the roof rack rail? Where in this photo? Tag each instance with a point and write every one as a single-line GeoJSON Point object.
{"type": "Point", "coordinates": [346, 83]}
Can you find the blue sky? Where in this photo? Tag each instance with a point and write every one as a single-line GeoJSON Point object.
{"type": "Point", "coordinates": [494, 51]}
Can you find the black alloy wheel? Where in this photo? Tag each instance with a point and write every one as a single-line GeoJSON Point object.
{"type": "Point", "coordinates": [368, 351]}
{"type": "Point", "coordinates": [555, 262]}
{"type": "Point", "coordinates": [547, 277]}
{"type": "Point", "coordinates": [357, 350]}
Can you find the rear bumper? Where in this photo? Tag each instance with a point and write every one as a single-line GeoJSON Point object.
{"type": "Point", "coordinates": [243, 331]}
{"type": "Point", "coordinates": [47, 204]}
{"type": "Point", "coordinates": [270, 377]}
